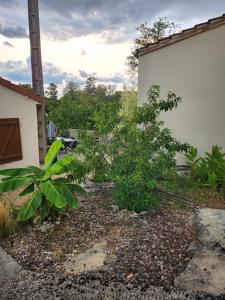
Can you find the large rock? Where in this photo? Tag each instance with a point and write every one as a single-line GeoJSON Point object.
{"type": "Point", "coordinates": [8, 267]}
{"type": "Point", "coordinates": [210, 226]}
{"type": "Point", "coordinates": [206, 270]}
{"type": "Point", "coordinates": [204, 273]}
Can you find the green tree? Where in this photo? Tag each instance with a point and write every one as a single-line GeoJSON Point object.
{"type": "Point", "coordinates": [90, 85]}
{"type": "Point", "coordinates": [147, 35]}
{"type": "Point", "coordinates": [67, 114]}
{"type": "Point", "coordinates": [51, 92]}
{"type": "Point", "coordinates": [72, 90]}
{"type": "Point", "coordinates": [128, 110]}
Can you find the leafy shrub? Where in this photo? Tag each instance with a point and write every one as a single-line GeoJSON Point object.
{"type": "Point", "coordinates": [142, 155]}
{"type": "Point", "coordinates": [139, 152]}
{"type": "Point", "coordinates": [210, 169]}
{"type": "Point", "coordinates": [95, 155]}
{"type": "Point", "coordinates": [49, 195]}
{"type": "Point", "coordinates": [133, 192]}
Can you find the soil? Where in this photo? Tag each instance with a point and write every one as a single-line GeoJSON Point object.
{"type": "Point", "coordinates": [208, 198]}
{"type": "Point", "coordinates": [145, 249]}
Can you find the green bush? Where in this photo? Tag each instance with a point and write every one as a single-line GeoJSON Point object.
{"type": "Point", "coordinates": [49, 193]}
{"type": "Point", "coordinates": [208, 170]}
{"type": "Point", "coordinates": [140, 150]}
{"type": "Point", "coordinates": [132, 192]}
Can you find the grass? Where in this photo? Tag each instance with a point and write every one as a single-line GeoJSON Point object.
{"type": "Point", "coordinates": [188, 187]}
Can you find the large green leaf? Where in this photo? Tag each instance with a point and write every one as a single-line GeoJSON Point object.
{"type": "Point", "coordinates": [52, 153]}
{"type": "Point", "coordinates": [71, 200]}
{"type": "Point", "coordinates": [57, 194]}
{"type": "Point", "coordinates": [54, 194]}
{"type": "Point", "coordinates": [35, 170]}
{"type": "Point", "coordinates": [15, 172]}
{"type": "Point", "coordinates": [60, 166]}
{"type": "Point", "coordinates": [73, 187]}
{"type": "Point", "coordinates": [14, 183]}
{"type": "Point", "coordinates": [45, 210]}
{"type": "Point", "coordinates": [30, 207]}
{"type": "Point", "coordinates": [76, 188]}
{"type": "Point", "coordinates": [29, 189]}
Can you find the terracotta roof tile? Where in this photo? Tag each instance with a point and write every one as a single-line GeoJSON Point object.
{"type": "Point", "coordinates": [21, 90]}
{"type": "Point", "coordinates": [184, 34]}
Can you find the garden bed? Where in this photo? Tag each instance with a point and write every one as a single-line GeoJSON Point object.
{"type": "Point", "coordinates": [145, 249]}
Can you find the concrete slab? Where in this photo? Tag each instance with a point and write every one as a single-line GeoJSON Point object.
{"type": "Point", "coordinates": [210, 226]}
{"type": "Point", "coordinates": [8, 266]}
{"type": "Point", "coordinates": [206, 270]}
{"type": "Point", "coordinates": [205, 273]}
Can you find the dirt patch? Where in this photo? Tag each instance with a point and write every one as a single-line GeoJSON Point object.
{"type": "Point", "coordinates": [90, 260]}
{"type": "Point", "coordinates": [207, 198]}
{"type": "Point", "coordinates": [141, 249]}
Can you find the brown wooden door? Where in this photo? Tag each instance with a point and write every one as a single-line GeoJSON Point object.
{"type": "Point", "coordinates": [10, 140]}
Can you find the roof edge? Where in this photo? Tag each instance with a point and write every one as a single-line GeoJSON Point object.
{"type": "Point", "coordinates": [21, 90]}
{"type": "Point", "coordinates": [184, 34]}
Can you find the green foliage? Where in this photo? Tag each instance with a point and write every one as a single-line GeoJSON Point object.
{"type": "Point", "coordinates": [132, 192]}
{"type": "Point", "coordinates": [48, 194]}
{"type": "Point", "coordinates": [96, 155]}
{"type": "Point", "coordinates": [51, 92]}
{"type": "Point", "coordinates": [143, 155]}
{"type": "Point", "coordinates": [150, 34]}
{"type": "Point", "coordinates": [210, 169]}
{"type": "Point", "coordinates": [139, 152]}
{"type": "Point", "coordinates": [128, 110]}
{"type": "Point", "coordinates": [107, 118]}
{"type": "Point", "coordinates": [67, 114]}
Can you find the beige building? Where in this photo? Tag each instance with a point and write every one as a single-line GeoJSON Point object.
{"type": "Point", "coordinates": [191, 64]}
{"type": "Point", "coordinates": [18, 126]}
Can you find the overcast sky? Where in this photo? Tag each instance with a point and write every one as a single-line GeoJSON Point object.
{"type": "Point", "coordinates": [83, 37]}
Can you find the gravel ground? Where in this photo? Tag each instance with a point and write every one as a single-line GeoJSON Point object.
{"type": "Point", "coordinates": [58, 287]}
{"type": "Point", "coordinates": [143, 250]}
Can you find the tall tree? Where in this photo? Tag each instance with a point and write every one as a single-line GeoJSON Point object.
{"type": "Point", "coordinates": [51, 92]}
{"type": "Point", "coordinates": [90, 86]}
{"type": "Point", "coordinates": [147, 35]}
{"type": "Point", "coordinates": [72, 90]}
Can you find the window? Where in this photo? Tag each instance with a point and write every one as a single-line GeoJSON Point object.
{"type": "Point", "coordinates": [10, 140]}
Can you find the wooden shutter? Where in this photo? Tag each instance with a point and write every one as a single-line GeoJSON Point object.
{"type": "Point", "coordinates": [10, 140]}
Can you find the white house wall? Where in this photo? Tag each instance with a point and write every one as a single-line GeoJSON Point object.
{"type": "Point", "coordinates": [195, 70]}
{"type": "Point", "coordinates": [14, 105]}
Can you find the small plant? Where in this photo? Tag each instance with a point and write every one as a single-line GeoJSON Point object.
{"type": "Point", "coordinates": [49, 193]}
{"type": "Point", "coordinates": [192, 159]}
{"type": "Point", "coordinates": [210, 169]}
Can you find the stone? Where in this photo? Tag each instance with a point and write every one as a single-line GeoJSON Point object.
{"type": "Point", "coordinates": [115, 208]}
{"type": "Point", "coordinates": [45, 227]}
{"type": "Point", "coordinates": [194, 246]}
{"type": "Point", "coordinates": [210, 226]}
{"type": "Point", "coordinates": [204, 273]}
{"type": "Point", "coordinates": [8, 267]}
{"type": "Point", "coordinates": [90, 260]}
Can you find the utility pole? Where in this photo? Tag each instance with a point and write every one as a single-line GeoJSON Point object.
{"type": "Point", "coordinates": [37, 73]}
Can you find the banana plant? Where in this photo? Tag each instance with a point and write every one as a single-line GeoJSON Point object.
{"type": "Point", "coordinates": [48, 193]}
